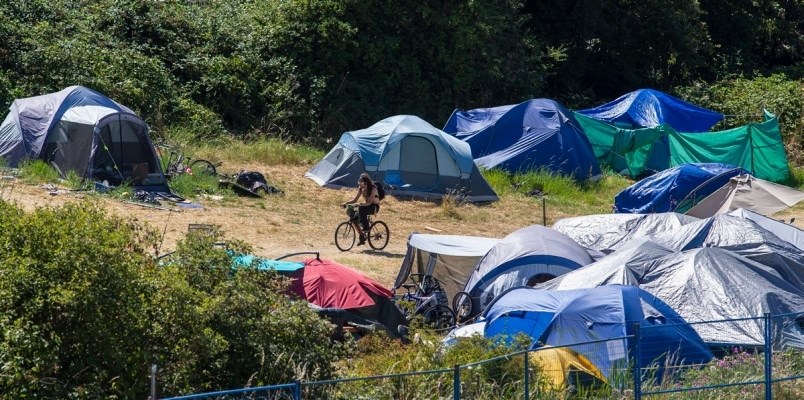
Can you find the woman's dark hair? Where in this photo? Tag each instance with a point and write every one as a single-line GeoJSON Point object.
{"type": "Point", "coordinates": [369, 184]}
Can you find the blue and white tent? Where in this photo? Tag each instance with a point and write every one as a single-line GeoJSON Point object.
{"type": "Point", "coordinates": [83, 131]}
{"type": "Point", "coordinates": [648, 108]}
{"type": "Point", "coordinates": [527, 256]}
{"type": "Point", "coordinates": [411, 156]}
{"type": "Point", "coordinates": [536, 134]}
{"type": "Point", "coordinates": [675, 189]}
{"type": "Point", "coordinates": [564, 317]}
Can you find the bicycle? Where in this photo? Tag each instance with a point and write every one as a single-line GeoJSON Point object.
{"type": "Point", "coordinates": [346, 232]}
{"type": "Point", "coordinates": [429, 300]}
{"type": "Point", "coordinates": [174, 162]}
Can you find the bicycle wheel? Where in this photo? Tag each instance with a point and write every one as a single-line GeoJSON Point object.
{"type": "Point", "coordinates": [378, 235]}
{"type": "Point", "coordinates": [440, 318]}
{"type": "Point", "coordinates": [462, 305]}
{"type": "Point", "coordinates": [202, 166]}
{"type": "Point", "coordinates": [345, 236]}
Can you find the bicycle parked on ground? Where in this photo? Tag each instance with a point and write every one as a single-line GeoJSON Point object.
{"type": "Point", "coordinates": [175, 162]}
{"type": "Point", "coordinates": [429, 300]}
{"type": "Point", "coordinates": [346, 232]}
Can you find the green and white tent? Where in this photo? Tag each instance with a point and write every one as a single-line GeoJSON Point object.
{"type": "Point", "coordinates": [756, 147]}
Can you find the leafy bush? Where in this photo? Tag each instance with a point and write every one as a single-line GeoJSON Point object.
{"type": "Point", "coordinates": [84, 310]}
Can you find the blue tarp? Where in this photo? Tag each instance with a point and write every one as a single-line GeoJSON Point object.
{"type": "Point", "coordinates": [263, 264]}
{"type": "Point", "coordinates": [665, 191]}
{"type": "Point", "coordinates": [565, 317]}
{"type": "Point", "coordinates": [648, 108]}
{"type": "Point", "coordinates": [535, 134]}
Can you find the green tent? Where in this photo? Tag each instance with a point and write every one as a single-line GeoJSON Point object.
{"type": "Point", "coordinates": [756, 147]}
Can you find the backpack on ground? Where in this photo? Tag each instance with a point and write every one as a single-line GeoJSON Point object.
{"type": "Point", "coordinates": [380, 190]}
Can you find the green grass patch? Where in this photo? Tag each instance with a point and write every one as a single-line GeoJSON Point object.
{"type": "Point", "coordinates": [262, 151]}
{"type": "Point", "coordinates": [187, 185]}
{"type": "Point", "coordinates": [570, 196]}
{"type": "Point", "coordinates": [38, 171]}
{"type": "Point", "coordinates": [796, 177]}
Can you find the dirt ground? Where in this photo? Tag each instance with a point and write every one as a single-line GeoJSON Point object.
{"type": "Point", "coordinates": [305, 217]}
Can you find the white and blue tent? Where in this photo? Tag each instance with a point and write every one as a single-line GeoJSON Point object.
{"type": "Point", "coordinates": [80, 130]}
{"type": "Point", "coordinates": [566, 317]}
{"type": "Point", "coordinates": [410, 156]}
{"type": "Point", "coordinates": [527, 256]}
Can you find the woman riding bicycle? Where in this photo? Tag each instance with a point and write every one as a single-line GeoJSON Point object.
{"type": "Point", "coordinates": [370, 206]}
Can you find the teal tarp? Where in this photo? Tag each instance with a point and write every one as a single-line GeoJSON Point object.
{"type": "Point", "coordinates": [756, 147]}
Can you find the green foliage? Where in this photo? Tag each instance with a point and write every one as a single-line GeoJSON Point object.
{"type": "Point", "coordinates": [71, 302]}
{"type": "Point", "coordinates": [84, 310]}
{"type": "Point", "coordinates": [38, 171]}
{"type": "Point", "coordinates": [265, 151]}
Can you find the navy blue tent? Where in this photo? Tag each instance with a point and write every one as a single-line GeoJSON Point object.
{"type": "Point", "coordinates": [648, 108]}
{"type": "Point", "coordinates": [674, 189]}
{"type": "Point", "coordinates": [564, 317]}
{"type": "Point", "coordinates": [535, 134]}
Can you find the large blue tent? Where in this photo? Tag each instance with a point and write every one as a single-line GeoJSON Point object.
{"type": "Point", "coordinates": [648, 108]}
{"type": "Point", "coordinates": [535, 134]}
{"type": "Point", "coordinates": [564, 317]}
{"type": "Point", "coordinates": [674, 189]}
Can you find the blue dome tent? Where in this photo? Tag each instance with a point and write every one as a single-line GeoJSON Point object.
{"type": "Point", "coordinates": [526, 256]}
{"type": "Point", "coordinates": [535, 134]}
{"type": "Point", "coordinates": [567, 317]}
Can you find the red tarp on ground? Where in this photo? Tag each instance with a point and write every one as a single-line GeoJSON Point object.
{"type": "Point", "coordinates": [328, 284]}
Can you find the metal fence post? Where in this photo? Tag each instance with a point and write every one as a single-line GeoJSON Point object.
{"type": "Point", "coordinates": [527, 376]}
{"type": "Point", "coordinates": [153, 381]}
{"type": "Point", "coordinates": [637, 372]}
{"type": "Point", "coordinates": [768, 358]}
{"type": "Point", "coordinates": [296, 390]}
{"type": "Point", "coordinates": [456, 383]}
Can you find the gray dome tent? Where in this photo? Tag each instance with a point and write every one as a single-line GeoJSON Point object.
{"type": "Point", "coordinates": [78, 129]}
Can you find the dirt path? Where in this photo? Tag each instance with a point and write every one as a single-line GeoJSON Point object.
{"type": "Point", "coordinates": [304, 219]}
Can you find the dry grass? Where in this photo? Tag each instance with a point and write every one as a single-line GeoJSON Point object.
{"type": "Point", "coordinates": [304, 219]}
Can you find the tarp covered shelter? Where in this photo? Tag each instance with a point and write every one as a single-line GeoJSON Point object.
{"type": "Point", "coordinates": [527, 256]}
{"type": "Point", "coordinates": [607, 232]}
{"type": "Point", "coordinates": [565, 317]}
{"type": "Point", "coordinates": [756, 147]}
{"type": "Point", "coordinates": [80, 130]}
{"type": "Point", "coordinates": [704, 284]}
{"type": "Point", "coordinates": [411, 156]}
{"type": "Point", "coordinates": [538, 134]}
{"type": "Point", "coordinates": [748, 192]}
{"type": "Point", "coordinates": [648, 108]}
{"type": "Point", "coordinates": [786, 232]}
{"type": "Point", "coordinates": [448, 258]}
{"type": "Point", "coordinates": [674, 189]}
{"type": "Point", "coordinates": [744, 237]}
{"type": "Point", "coordinates": [331, 285]}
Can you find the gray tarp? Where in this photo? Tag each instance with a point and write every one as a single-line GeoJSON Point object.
{"type": "Point", "coordinates": [744, 237]}
{"type": "Point", "coordinates": [786, 232]}
{"type": "Point", "coordinates": [705, 284]}
{"type": "Point", "coordinates": [607, 232]}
